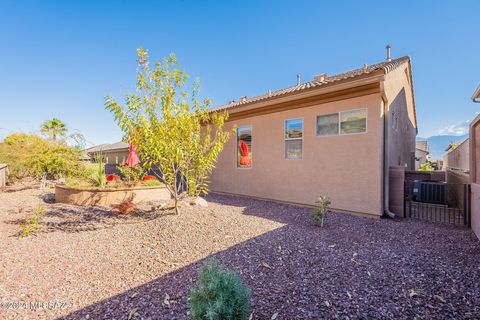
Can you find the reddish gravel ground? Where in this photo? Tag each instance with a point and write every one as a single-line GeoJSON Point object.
{"type": "Point", "coordinates": [88, 263]}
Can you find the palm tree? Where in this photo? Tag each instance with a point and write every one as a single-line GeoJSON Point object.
{"type": "Point", "coordinates": [54, 128]}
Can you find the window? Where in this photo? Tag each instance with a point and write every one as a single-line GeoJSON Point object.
{"type": "Point", "coordinates": [116, 159]}
{"type": "Point", "coordinates": [354, 121]}
{"type": "Point", "coordinates": [293, 138]}
{"type": "Point", "coordinates": [327, 125]}
{"type": "Point", "coordinates": [346, 122]}
{"type": "Point", "coordinates": [244, 147]}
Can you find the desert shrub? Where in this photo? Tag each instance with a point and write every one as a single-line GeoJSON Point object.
{"type": "Point", "coordinates": [320, 210]}
{"type": "Point", "coordinates": [219, 294]}
{"type": "Point", "coordinates": [31, 157]}
{"type": "Point", "coordinates": [151, 183]}
{"type": "Point", "coordinates": [124, 207]}
{"type": "Point", "coordinates": [97, 177]}
{"type": "Point", "coordinates": [131, 174]}
{"type": "Point", "coordinates": [31, 224]}
{"type": "Point", "coordinates": [84, 177]}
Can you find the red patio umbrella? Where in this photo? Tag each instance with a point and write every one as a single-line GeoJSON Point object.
{"type": "Point", "coordinates": [133, 158]}
{"type": "Point", "coordinates": [245, 160]}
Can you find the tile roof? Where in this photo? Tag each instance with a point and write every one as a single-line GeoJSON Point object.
{"type": "Point", "coordinates": [386, 66]}
{"type": "Point", "coordinates": [108, 147]}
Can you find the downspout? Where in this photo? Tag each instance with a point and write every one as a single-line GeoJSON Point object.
{"type": "Point", "coordinates": [385, 166]}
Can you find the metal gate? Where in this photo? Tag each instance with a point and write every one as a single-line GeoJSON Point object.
{"type": "Point", "coordinates": [451, 205]}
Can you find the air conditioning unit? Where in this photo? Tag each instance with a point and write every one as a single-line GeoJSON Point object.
{"type": "Point", "coordinates": [430, 191]}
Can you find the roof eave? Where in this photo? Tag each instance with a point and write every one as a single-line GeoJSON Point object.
{"type": "Point", "coordinates": [373, 77]}
{"type": "Point", "coordinates": [108, 150]}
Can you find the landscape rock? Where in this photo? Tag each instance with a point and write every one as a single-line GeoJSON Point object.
{"type": "Point", "coordinates": [201, 202]}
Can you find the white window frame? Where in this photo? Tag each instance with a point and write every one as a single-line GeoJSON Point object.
{"type": "Point", "coordinates": [236, 147]}
{"type": "Point", "coordinates": [290, 139]}
{"type": "Point", "coordinates": [339, 123]}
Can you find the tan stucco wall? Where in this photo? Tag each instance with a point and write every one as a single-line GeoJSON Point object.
{"type": "Point", "coordinates": [475, 208]}
{"type": "Point", "coordinates": [401, 118]}
{"type": "Point", "coordinates": [114, 155]}
{"type": "Point", "coordinates": [474, 145]}
{"type": "Point", "coordinates": [459, 158]}
{"type": "Point", "coordinates": [346, 168]}
{"type": "Point", "coordinates": [475, 174]}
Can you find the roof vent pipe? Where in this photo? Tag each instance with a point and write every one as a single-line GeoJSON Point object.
{"type": "Point", "coordinates": [389, 57]}
{"type": "Point", "coordinates": [298, 79]}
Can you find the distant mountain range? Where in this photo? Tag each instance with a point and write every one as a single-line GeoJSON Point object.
{"type": "Point", "coordinates": [438, 144]}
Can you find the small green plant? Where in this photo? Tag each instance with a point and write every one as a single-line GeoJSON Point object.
{"type": "Point", "coordinates": [131, 174]}
{"type": "Point", "coordinates": [151, 183]}
{"type": "Point", "coordinates": [98, 173]}
{"type": "Point", "coordinates": [219, 294]}
{"type": "Point", "coordinates": [320, 210]}
{"type": "Point", "coordinates": [31, 225]}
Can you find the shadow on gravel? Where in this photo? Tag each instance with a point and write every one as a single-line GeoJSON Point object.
{"type": "Point", "coordinates": [20, 187]}
{"type": "Point", "coordinates": [352, 268]}
{"type": "Point", "coordinates": [72, 219]}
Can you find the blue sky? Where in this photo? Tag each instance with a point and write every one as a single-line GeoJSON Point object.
{"type": "Point", "coordinates": [61, 58]}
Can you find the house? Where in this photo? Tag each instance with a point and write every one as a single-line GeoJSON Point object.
{"type": "Point", "coordinates": [115, 153]}
{"type": "Point", "coordinates": [421, 153]}
{"type": "Point", "coordinates": [340, 135]}
{"type": "Point", "coordinates": [475, 168]}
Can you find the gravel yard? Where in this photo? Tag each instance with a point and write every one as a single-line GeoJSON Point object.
{"type": "Point", "coordinates": [92, 263]}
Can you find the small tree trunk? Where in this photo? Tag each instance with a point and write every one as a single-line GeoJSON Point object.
{"type": "Point", "coordinates": [176, 204]}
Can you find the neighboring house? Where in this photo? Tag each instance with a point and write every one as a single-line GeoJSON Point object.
{"type": "Point", "coordinates": [440, 164]}
{"type": "Point", "coordinates": [421, 153]}
{"type": "Point", "coordinates": [457, 156]}
{"type": "Point", "coordinates": [475, 167]}
{"type": "Point", "coordinates": [115, 153]}
{"type": "Point", "coordinates": [337, 136]}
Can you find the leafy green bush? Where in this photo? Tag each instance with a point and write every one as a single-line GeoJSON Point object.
{"type": "Point", "coordinates": [219, 295]}
{"type": "Point", "coordinates": [426, 167]}
{"type": "Point", "coordinates": [131, 174]}
{"type": "Point", "coordinates": [321, 209]}
{"type": "Point", "coordinates": [31, 157]}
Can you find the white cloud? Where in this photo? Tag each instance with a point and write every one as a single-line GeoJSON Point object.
{"type": "Point", "coordinates": [457, 129]}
